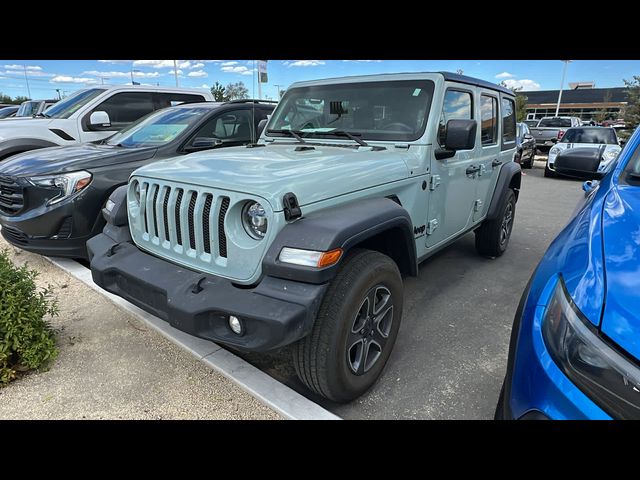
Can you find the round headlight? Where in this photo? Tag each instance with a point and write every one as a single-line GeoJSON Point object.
{"type": "Point", "coordinates": [254, 219]}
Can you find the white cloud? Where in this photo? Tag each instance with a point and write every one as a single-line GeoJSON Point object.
{"type": "Point", "coordinates": [198, 73]}
{"type": "Point", "coordinates": [505, 75]}
{"type": "Point", "coordinates": [172, 72]}
{"type": "Point", "coordinates": [204, 85]}
{"type": "Point", "coordinates": [303, 63]}
{"type": "Point", "coordinates": [241, 70]}
{"type": "Point", "coordinates": [30, 68]}
{"type": "Point", "coordinates": [67, 79]}
{"type": "Point", "coordinates": [184, 64]}
{"type": "Point", "coordinates": [115, 62]}
{"type": "Point", "coordinates": [153, 63]}
{"type": "Point", "coordinates": [97, 73]}
{"type": "Point", "coordinates": [228, 64]}
{"type": "Point", "coordinates": [197, 65]}
{"type": "Point", "coordinates": [525, 84]}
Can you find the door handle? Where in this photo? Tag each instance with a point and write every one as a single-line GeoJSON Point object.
{"type": "Point", "coordinates": [495, 163]}
{"type": "Point", "coordinates": [471, 169]}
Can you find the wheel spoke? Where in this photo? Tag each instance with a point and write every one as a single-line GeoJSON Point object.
{"type": "Point", "coordinates": [355, 356]}
{"type": "Point", "coordinates": [383, 322]}
{"type": "Point", "coordinates": [361, 315]}
{"type": "Point", "coordinates": [373, 350]}
{"type": "Point", "coordinates": [381, 297]}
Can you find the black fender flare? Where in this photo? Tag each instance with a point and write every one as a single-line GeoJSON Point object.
{"type": "Point", "coordinates": [19, 145]}
{"type": "Point", "coordinates": [343, 226]}
{"type": "Point", "coordinates": [510, 177]}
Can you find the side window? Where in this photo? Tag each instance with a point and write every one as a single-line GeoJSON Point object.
{"type": "Point", "coordinates": [231, 126]}
{"type": "Point", "coordinates": [457, 105]}
{"type": "Point", "coordinates": [168, 99]}
{"type": "Point", "coordinates": [489, 124]}
{"type": "Point", "coordinates": [508, 121]}
{"type": "Point", "coordinates": [125, 108]}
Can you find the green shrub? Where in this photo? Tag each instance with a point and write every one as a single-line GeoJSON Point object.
{"type": "Point", "coordinates": [26, 339]}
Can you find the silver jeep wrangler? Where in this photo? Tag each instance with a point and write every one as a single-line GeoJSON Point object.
{"type": "Point", "coordinates": [304, 237]}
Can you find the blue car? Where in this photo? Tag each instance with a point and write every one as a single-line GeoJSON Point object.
{"type": "Point", "coordinates": [575, 344]}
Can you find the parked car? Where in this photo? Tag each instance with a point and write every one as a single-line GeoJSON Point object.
{"type": "Point", "coordinates": [50, 199]}
{"type": "Point", "coordinates": [602, 139]}
{"type": "Point", "coordinates": [8, 112]}
{"type": "Point", "coordinates": [532, 123]}
{"type": "Point", "coordinates": [33, 108]}
{"type": "Point", "coordinates": [575, 344]}
{"type": "Point", "coordinates": [525, 146]}
{"type": "Point", "coordinates": [304, 239]}
{"type": "Point", "coordinates": [90, 115]}
{"type": "Point", "coordinates": [551, 129]}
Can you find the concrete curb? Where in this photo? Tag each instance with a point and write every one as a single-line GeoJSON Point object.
{"type": "Point", "coordinates": [270, 392]}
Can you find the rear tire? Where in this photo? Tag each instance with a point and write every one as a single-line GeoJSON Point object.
{"type": "Point", "coordinates": [355, 329]}
{"type": "Point", "coordinates": [529, 163]}
{"type": "Point", "coordinates": [492, 238]}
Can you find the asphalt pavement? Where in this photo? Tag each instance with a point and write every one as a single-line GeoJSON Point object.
{"type": "Point", "coordinates": [450, 356]}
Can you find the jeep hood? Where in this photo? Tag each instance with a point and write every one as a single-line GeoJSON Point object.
{"type": "Point", "coordinates": [86, 156]}
{"type": "Point", "coordinates": [621, 239]}
{"type": "Point", "coordinates": [271, 171]}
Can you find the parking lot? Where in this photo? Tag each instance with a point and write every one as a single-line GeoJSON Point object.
{"type": "Point", "coordinates": [450, 356]}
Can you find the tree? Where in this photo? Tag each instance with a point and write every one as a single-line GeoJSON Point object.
{"type": "Point", "coordinates": [603, 113]}
{"type": "Point", "coordinates": [521, 102]}
{"type": "Point", "coordinates": [218, 92]}
{"type": "Point", "coordinates": [5, 98]}
{"type": "Point", "coordinates": [632, 110]}
{"type": "Point", "coordinates": [236, 91]}
{"type": "Point", "coordinates": [19, 100]}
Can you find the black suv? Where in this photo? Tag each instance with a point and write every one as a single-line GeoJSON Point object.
{"type": "Point", "coordinates": [51, 198]}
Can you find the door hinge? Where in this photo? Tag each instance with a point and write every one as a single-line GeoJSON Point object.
{"type": "Point", "coordinates": [431, 226]}
{"type": "Point", "coordinates": [477, 205]}
{"type": "Point", "coordinates": [434, 182]}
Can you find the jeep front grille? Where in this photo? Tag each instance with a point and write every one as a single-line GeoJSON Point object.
{"type": "Point", "coordinates": [11, 196]}
{"type": "Point", "coordinates": [187, 227]}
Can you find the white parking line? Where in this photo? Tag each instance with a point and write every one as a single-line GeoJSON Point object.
{"type": "Point", "coordinates": [267, 390]}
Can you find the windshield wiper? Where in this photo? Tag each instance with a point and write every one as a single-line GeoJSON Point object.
{"type": "Point", "coordinates": [293, 133]}
{"type": "Point", "coordinates": [350, 135]}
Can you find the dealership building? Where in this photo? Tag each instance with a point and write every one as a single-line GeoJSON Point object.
{"type": "Point", "coordinates": [579, 100]}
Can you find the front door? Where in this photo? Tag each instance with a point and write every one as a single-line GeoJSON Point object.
{"type": "Point", "coordinates": [453, 190]}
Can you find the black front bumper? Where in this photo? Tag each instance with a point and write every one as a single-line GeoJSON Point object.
{"type": "Point", "coordinates": [274, 313]}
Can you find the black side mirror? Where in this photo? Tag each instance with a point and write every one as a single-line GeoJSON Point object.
{"type": "Point", "coordinates": [579, 163]}
{"type": "Point", "coordinates": [460, 135]}
{"type": "Point", "coordinates": [203, 143]}
{"type": "Point", "coordinates": [261, 124]}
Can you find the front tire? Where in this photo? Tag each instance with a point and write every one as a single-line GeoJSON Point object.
{"type": "Point", "coordinates": [548, 172]}
{"type": "Point", "coordinates": [355, 329]}
{"type": "Point", "coordinates": [492, 238]}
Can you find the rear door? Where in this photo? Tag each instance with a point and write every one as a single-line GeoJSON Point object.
{"type": "Point", "coordinates": [452, 189]}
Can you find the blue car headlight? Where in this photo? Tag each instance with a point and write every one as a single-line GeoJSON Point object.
{"type": "Point", "coordinates": [605, 375]}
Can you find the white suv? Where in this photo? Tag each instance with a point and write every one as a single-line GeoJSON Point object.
{"type": "Point", "coordinates": [90, 115]}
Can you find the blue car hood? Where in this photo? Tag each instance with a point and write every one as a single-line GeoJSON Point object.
{"type": "Point", "coordinates": [621, 239]}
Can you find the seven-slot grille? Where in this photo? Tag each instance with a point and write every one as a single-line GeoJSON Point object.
{"type": "Point", "coordinates": [175, 216]}
{"type": "Point", "coordinates": [11, 196]}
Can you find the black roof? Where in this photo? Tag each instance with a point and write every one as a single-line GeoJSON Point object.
{"type": "Point", "coordinates": [455, 77]}
{"type": "Point", "coordinates": [587, 95]}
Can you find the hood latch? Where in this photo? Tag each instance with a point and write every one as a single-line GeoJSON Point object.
{"type": "Point", "coordinates": [291, 207]}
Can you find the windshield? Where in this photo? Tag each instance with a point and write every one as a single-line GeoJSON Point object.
{"type": "Point", "coordinates": [68, 106]}
{"type": "Point", "coordinates": [590, 135]}
{"type": "Point", "coordinates": [555, 122]}
{"type": "Point", "coordinates": [158, 128]}
{"type": "Point", "coordinates": [6, 111]}
{"type": "Point", "coordinates": [28, 109]}
{"type": "Point", "coordinates": [391, 110]}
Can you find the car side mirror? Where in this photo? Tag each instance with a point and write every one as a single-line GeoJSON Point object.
{"type": "Point", "coordinates": [579, 163]}
{"type": "Point", "coordinates": [203, 143]}
{"type": "Point", "coordinates": [261, 124]}
{"type": "Point", "coordinates": [99, 119]}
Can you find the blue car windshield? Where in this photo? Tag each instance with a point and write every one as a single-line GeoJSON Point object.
{"type": "Point", "coordinates": [158, 128]}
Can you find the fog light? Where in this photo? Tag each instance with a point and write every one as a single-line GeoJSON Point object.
{"type": "Point", "coordinates": [235, 324]}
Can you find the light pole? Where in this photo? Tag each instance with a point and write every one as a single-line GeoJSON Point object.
{"type": "Point", "coordinates": [27, 80]}
{"type": "Point", "coordinates": [278, 87]}
{"type": "Point", "coordinates": [132, 82]}
{"type": "Point", "coordinates": [58, 91]}
{"type": "Point", "coordinates": [564, 72]}
{"type": "Point", "coordinates": [175, 71]}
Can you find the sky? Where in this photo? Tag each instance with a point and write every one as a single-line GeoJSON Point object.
{"type": "Point", "coordinates": [45, 77]}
